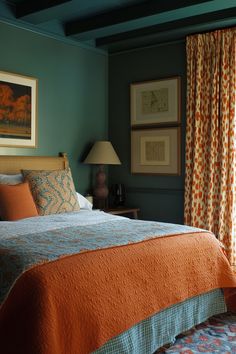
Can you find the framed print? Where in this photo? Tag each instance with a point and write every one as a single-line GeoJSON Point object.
{"type": "Point", "coordinates": [155, 102]}
{"type": "Point", "coordinates": [18, 110]}
{"type": "Point", "coordinates": [156, 151]}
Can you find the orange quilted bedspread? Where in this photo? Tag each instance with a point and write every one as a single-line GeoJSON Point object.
{"type": "Point", "coordinates": [75, 304]}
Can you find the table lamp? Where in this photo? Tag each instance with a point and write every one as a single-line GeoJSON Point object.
{"type": "Point", "coordinates": [102, 153]}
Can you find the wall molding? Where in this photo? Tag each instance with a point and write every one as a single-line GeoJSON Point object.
{"type": "Point", "coordinates": [65, 40]}
{"type": "Point", "coordinates": [155, 190]}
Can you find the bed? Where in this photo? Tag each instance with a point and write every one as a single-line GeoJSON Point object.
{"type": "Point", "coordinates": [88, 282]}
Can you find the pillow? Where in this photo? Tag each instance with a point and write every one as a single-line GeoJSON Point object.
{"type": "Point", "coordinates": [16, 202]}
{"type": "Point", "coordinates": [53, 191]}
{"type": "Point", "coordinates": [83, 202]}
{"type": "Point", "coordinates": [11, 179]}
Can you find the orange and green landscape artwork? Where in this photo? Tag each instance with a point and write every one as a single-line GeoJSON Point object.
{"type": "Point", "coordinates": [15, 111]}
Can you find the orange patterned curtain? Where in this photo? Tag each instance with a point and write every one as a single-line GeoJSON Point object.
{"type": "Point", "coordinates": [210, 180]}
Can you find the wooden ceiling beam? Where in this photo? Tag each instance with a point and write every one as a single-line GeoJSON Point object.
{"type": "Point", "coordinates": [207, 18]}
{"type": "Point", "coordinates": [128, 13]}
{"type": "Point", "coordinates": [29, 7]}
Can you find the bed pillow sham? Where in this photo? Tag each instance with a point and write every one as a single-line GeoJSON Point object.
{"type": "Point", "coordinates": [16, 202]}
{"type": "Point", "coordinates": [83, 202]}
{"type": "Point", "coordinates": [53, 191]}
{"type": "Point", "coordinates": [11, 179]}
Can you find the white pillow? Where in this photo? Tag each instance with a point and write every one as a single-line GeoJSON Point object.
{"type": "Point", "coordinates": [83, 202]}
{"type": "Point", "coordinates": [11, 179]}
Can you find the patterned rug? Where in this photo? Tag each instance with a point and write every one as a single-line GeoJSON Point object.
{"type": "Point", "coordinates": [216, 335]}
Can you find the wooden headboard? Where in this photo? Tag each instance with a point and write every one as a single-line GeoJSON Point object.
{"type": "Point", "coordinates": [14, 164]}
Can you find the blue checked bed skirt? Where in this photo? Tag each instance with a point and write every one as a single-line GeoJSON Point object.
{"type": "Point", "coordinates": [162, 328]}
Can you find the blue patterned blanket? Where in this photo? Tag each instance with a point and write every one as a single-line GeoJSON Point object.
{"type": "Point", "coordinates": [20, 251]}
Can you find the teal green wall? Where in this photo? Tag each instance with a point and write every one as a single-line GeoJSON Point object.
{"type": "Point", "coordinates": [159, 197]}
{"type": "Point", "coordinates": [72, 94]}
{"type": "Point", "coordinates": [73, 104]}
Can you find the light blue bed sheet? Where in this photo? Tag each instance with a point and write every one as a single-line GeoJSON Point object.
{"type": "Point", "coordinates": [162, 328]}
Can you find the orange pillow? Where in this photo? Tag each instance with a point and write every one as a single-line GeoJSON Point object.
{"type": "Point", "coordinates": [16, 202]}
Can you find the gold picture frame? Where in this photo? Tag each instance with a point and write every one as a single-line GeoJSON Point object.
{"type": "Point", "coordinates": [18, 113]}
{"type": "Point", "coordinates": [155, 102]}
{"type": "Point", "coordinates": [156, 151]}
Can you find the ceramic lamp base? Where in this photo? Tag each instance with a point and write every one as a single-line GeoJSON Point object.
{"type": "Point", "coordinates": [100, 191]}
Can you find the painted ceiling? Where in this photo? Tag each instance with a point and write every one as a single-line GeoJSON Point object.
{"type": "Point", "coordinates": [117, 25]}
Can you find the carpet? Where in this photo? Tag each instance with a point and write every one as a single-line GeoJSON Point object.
{"type": "Point", "coordinates": [216, 335]}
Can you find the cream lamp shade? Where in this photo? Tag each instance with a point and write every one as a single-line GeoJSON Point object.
{"type": "Point", "coordinates": [102, 153]}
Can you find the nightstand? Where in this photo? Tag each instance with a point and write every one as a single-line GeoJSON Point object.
{"type": "Point", "coordinates": [123, 211]}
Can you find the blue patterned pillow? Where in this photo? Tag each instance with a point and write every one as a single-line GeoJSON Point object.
{"type": "Point", "coordinates": [53, 191]}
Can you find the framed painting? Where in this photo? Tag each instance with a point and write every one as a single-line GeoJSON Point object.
{"type": "Point", "coordinates": [18, 110]}
{"type": "Point", "coordinates": [156, 151]}
{"type": "Point", "coordinates": [155, 102]}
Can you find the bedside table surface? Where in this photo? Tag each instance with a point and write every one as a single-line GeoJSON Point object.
{"type": "Point", "coordinates": [123, 210]}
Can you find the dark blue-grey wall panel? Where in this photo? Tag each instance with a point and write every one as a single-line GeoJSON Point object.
{"type": "Point", "coordinates": [152, 63]}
